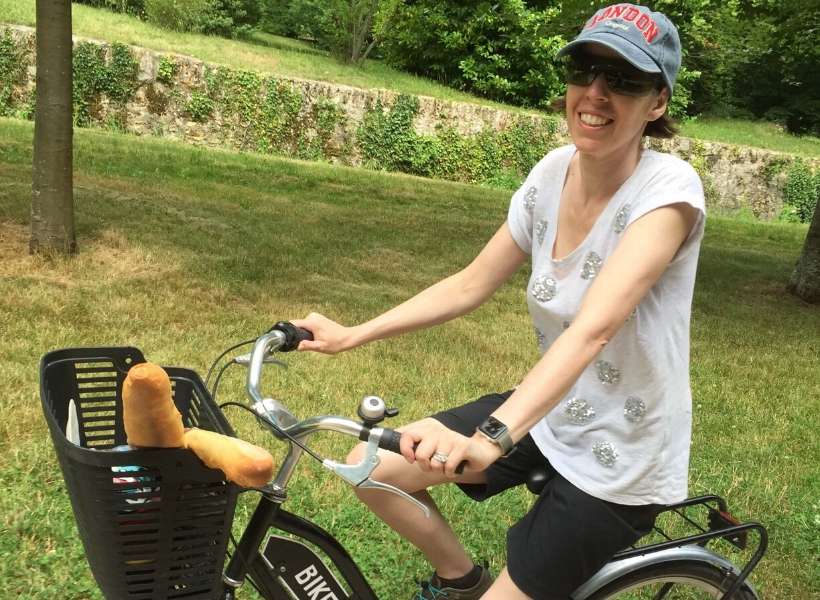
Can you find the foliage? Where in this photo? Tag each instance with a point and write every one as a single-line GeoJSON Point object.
{"type": "Point", "coordinates": [176, 15]}
{"type": "Point", "coordinates": [388, 141]}
{"type": "Point", "coordinates": [801, 193]}
{"type": "Point", "coordinates": [14, 61]}
{"type": "Point", "coordinates": [166, 70]}
{"type": "Point", "coordinates": [230, 18]}
{"type": "Point", "coordinates": [199, 106]}
{"type": "Point", "coordinates": [99, 71]}
{"type": "Point", "coordinates": [131, 7]}
{"type": "Point", "coordinates": [759, 59]}
{"type": "Point", "coordinates": [349, 29]}
{"type": "Point", "coordinates": [501, 50]}
{"type": "Point", "coordinates": [227, 18]}
{"type": "Point", "coordinates": [272, 116]}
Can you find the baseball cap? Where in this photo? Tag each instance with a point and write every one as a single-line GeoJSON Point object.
{"type": "Point", "coordinates": [646, 39]}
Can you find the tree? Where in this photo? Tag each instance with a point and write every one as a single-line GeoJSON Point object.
{"type": "Point", "coordinates": [805, 281]}
{"type": "Point", "coordinates": [52, 202]}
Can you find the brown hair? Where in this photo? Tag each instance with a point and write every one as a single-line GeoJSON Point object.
{"type": "Point", "coordinates": [662, 127]}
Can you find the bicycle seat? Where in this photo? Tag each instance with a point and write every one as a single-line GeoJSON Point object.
{"type": "Point", "coordinates": [537, 479]}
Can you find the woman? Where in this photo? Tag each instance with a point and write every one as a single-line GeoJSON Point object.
{"type": "Point", "coordinates": [613, 232]}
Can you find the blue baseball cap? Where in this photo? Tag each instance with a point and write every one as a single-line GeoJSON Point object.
{"type": "Point", "coordinates": [648, 40]}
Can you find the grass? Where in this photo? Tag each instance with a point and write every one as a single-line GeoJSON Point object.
{"type": "Point", "coordinates": [186, 250]}
{"type": "Point", "coordinates": [759, 134]}
{"type": "Point", "coordinates": [286, 57]}
{"type": "Point", "coordinates": [260, 52]}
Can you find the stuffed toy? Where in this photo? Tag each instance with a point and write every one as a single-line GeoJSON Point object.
{"type": "Point", "coordinates": [152, 421]}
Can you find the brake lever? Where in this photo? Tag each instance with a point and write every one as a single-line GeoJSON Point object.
{"type": "Point", "coordinates": [358, 475]}
{"type": "Point", "coordinates": [245, 359]}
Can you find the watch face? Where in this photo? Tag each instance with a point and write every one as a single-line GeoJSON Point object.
{"type": "Point", "coordinates": [493, 427]}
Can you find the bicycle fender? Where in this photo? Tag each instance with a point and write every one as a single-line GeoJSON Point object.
{"type": "Point", "coordinates": [618, 568]}
{"type": "Point", "coordinates": [300, 571]}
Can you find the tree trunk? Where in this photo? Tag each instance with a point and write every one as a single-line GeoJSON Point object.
{"type": "Point", "coordinates": [805, 281]}
{"type": "Point", "coordinates": [52, 202]}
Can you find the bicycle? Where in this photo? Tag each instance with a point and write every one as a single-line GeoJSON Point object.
{"type": "Point", "coordinates": [155, 523]}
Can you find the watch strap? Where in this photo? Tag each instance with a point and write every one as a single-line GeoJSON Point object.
{"type": "Point", "coordinates": [495, 431]}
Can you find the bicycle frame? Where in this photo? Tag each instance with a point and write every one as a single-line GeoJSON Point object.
{"type": "Point", "coordinates": [297, 572]}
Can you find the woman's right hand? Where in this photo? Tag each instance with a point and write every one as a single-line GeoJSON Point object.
{"type": "Point", "coordinates": [329, 337]}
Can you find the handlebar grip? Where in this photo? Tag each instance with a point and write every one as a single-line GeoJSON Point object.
{"type": "Point", "coordinates": [293, 335]}
{"type": "Point", "coordinates": [390, 440]}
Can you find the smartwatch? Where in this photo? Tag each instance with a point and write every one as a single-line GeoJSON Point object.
{"type": "Point", "coordinates": [495, 431]}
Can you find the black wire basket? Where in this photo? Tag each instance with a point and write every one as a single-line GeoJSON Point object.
{"type": "Point", "coordinates": [154, 522]}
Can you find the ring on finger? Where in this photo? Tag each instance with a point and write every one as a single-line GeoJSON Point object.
{"type": "Point", "coordinates": [440, 457]}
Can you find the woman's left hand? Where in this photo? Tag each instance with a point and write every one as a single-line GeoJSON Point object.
{"type": "Point", "coordinates": [435, 448]}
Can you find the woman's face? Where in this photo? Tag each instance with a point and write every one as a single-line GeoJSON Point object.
{"type": "Point", "coordinates": [603, 123]}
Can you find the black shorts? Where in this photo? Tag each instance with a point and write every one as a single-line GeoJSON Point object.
{"type": "Point", "coordinates": [567, 535]}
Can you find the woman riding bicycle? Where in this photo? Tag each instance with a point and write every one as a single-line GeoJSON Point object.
{"type": "Point", "coordinates": [613, 231]}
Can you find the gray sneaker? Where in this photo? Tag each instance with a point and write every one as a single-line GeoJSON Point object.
{"type": "Point", "coordinates": [433, 590]}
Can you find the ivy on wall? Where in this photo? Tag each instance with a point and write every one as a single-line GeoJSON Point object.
{"type": "Point", "coordinates": [254, 112]}
{"type": "Point", "coordinates": [388, 141]}
{"type": "Point", "coordinates": [14, 62]}
{"type": "Point", "coordinates": [99, 72]}
{"type": "Point", "coordinates": [801, 193]}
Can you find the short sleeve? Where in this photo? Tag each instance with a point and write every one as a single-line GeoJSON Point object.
{"type": "Point", "coordinates": [519, 219]}
{"type": "Point", "coordinates": [672, 181]}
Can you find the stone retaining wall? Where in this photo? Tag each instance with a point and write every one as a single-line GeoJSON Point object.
{"type": "Point", "coordinates": [735, 177]}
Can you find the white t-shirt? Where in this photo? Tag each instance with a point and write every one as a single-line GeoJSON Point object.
{"type": "Point", "coordinates": [622, 432]}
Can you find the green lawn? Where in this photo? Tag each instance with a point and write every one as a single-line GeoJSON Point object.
{"type": "Point", "coordinates": [186, 250]}
{"type": "Point", "coordinates": [276, 55]}
{"type": "Point", "coordinates": [260, 52]}
{"type": "Point", "coordinates": [751, 133]}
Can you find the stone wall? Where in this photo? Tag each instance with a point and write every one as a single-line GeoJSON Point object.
{"type": "Point", "coordinates": [734, 177]}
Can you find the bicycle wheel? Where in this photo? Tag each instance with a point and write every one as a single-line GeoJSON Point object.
{"type": "Point", "coordinates": [675, 580]}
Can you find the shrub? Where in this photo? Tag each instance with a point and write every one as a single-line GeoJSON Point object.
{"type": "Point", "coordinates": [177, 15]}
{"type": "Point", "coordinates": [227, 18]}
{"type": "Point", "coordinates": [131, 7]}
{"type": "Point", "coordinates": [501, 50]}
{"type": "Point", "coordinates": [801, 193]}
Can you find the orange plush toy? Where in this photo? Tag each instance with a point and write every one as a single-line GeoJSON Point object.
{"type": "Point", "coordinates": [152, 421]}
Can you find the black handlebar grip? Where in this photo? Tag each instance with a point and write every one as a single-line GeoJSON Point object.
{"type": "Point", "coordinates": [293, 335]}
{"type": "Point", "coordinates": [390, 440]}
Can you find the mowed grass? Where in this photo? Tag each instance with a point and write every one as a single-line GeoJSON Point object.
{"type": "Point", "coordinates": [186, 250]}
{"type": "Point", "coordinates": [261, 52]}
{"type": "Point", "coordinates": [285, 57]}
{"type": "Point", "coordinates": [759, 134]}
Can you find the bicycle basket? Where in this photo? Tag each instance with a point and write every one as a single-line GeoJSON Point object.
{"type": "Point", "coordinates": [154, 522]}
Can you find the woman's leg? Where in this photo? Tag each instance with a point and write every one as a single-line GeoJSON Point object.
{"type": "Point", "coordinates": [432, 536]}
{"type": "Point", "coordinates": [504, 588]}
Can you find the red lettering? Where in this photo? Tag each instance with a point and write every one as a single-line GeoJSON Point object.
{"type": "Point", "coordinates": [651, 33]}
{"type": "Point", "coordinates": [618, 10]}
{"type": "Point", "coordinates": [631, 14]}
{"type": "Point", "coordinates": [643, 22]}
{"type": "Point", "coordinates": [594, 21]}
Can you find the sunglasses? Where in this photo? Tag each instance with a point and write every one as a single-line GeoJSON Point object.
{"type": "Point", "coordinates": [620, 77]}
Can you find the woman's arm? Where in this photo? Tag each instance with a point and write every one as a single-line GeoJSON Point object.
{"type": "Point", "coordinates": [646, 249]}
{"type": "Point", "coordinates": [449, 298]}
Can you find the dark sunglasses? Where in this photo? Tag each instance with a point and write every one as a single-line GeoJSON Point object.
{"type": "Point", "coordinates": [620, 77]}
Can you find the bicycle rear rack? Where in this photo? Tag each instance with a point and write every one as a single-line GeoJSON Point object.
{"type": "Point", "coordinates": [720, 524]}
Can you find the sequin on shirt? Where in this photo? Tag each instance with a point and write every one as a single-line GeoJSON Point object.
{"type": "Point", "coordinates": [621, 218]}
{"type": "Point", "coordinates": [634, 409]}
{"type": "Point", "coordinates": [592, 266]}
{"type": "Point", "coordinates": [605, 452]}
{"type": "Point", "coordinates": [607, 373]}
{"type": "Point", "coordinates": [579, 411]}
{"type": "Point", "coordinates": [540, 230]}
{"type": "Point", "coordinates": [529, 198]}
{"type": "Point", "coordinates": [544, 288]}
